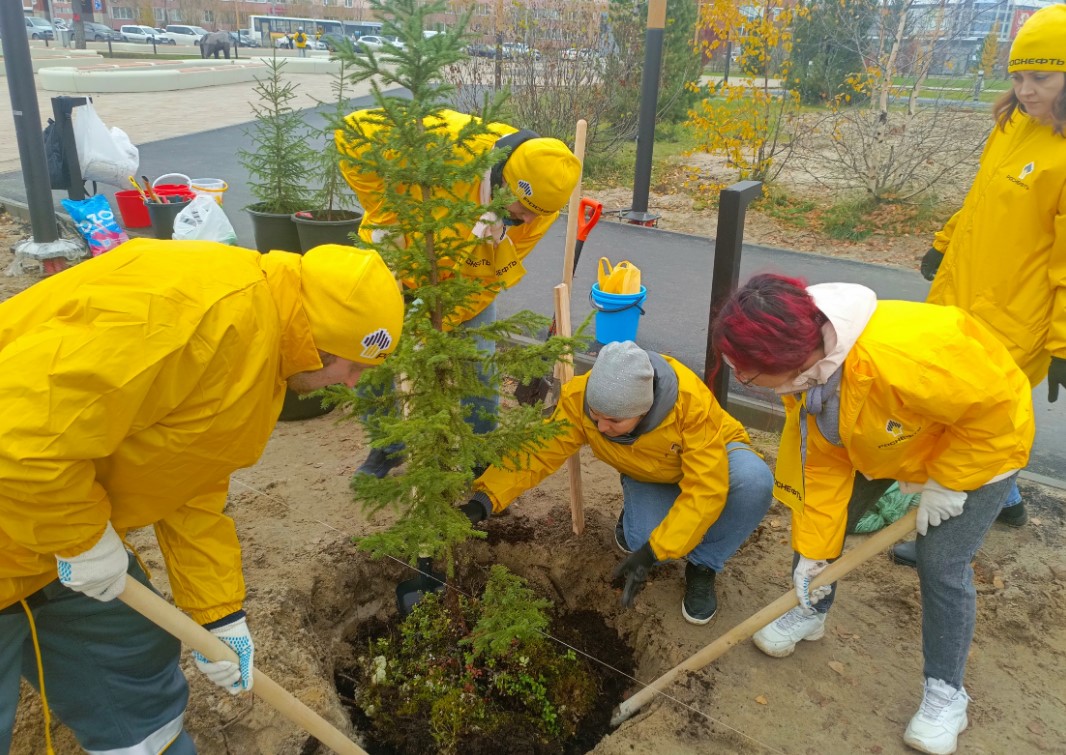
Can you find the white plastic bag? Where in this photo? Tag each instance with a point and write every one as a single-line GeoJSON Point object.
{"type": "Point", "coordinates": [104, 156]}
{"type": "Point", "coordinates": [204, 219]}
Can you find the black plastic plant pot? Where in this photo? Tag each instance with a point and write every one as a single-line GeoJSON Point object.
{"type": "Point", "coordinates": [315, 231]}
{"type": "Point", "coordinates": [163, 215]}
{"type": "Point", "coordinates": [274, 231]}
{"type": "Point", "coordinates": [297, 407]}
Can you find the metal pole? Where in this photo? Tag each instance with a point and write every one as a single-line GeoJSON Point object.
{"type": "Point", "coordinates": [23, 93]}
{"type": "Point", "coordinates": [732, 206]}
{"type": "Point", "coordinates": [649, 101]}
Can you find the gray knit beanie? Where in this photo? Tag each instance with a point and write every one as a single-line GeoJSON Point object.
{"type": "Point", "coordinates": [620, 383]}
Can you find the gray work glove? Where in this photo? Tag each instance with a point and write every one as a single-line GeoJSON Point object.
{"type": "Point", "coordinates": [931, 263]}
{"type": "Point", "coordinates": [635, 569]}
{"type": "Point", "coordinates": [1056, 376]}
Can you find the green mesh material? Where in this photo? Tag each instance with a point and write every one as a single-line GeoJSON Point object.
{"type": "Point", "coordinates": [890, 506]}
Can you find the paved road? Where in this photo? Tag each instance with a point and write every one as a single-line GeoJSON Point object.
{"type": "Point", "coordinates": [676, 269]}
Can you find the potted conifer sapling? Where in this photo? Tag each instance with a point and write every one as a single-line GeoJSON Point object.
{"type": "Point", "coordinates": [334, 219]}
{"type": "Point", "coordinates": [276, 161]}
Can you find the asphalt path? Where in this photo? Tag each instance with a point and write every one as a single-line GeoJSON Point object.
{"type": "Point", "coordinates": [676, 268]}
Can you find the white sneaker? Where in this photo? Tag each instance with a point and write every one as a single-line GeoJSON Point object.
{"type": "Point", "coordinates": [779, 638]}
{"type": "Point", "coordinates": [935, 728]}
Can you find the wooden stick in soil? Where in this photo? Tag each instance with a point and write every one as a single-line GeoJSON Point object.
{"type": "Point", "coordinates": [574, 208]}
{"type": "Point", "coordinates": [170, 619]}
{"type": "Point", "coordinates": [564, 372]}
{"type": "Point", "coordinates": [858, 555]}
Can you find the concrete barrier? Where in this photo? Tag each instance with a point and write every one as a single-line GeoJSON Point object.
{"type": "Point", "coordinates": [112, 76]}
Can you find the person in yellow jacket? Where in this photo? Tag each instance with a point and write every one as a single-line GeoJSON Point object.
{"type": "Point", "coordinates": [300, 38]}
{"type": "Point", "coordinates": [540, 172]}
{"type": "Point", "coordinates": [1002, 256]}
{"type": "Point", "coordinates": [888, 390]}
{"type": "Point", "coordinates": [692, 486]}
{"type": "Point", "coordinates": [134, 384]}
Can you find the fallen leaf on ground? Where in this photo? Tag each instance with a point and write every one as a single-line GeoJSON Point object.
{"type": "Point", "coordinates": [837, 666]}
{"type": "Point", "coordinates": [761, 700]}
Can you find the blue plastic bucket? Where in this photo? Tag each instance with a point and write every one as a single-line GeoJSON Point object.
{"type": "Point", "coordinates": [617, 315]}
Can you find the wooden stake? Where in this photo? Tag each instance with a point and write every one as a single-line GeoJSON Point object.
{"type": "Point", "coordinates": [572, 213]}
{"type": "Point", "coordinates": [876, 543]}
{"type": "Point", "coordinates": [170, 619]}
{"type": "Point", "coordinates": [564, 372]}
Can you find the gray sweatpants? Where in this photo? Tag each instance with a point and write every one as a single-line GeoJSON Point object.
{"type": "Point", "coordinates": [110, 675]}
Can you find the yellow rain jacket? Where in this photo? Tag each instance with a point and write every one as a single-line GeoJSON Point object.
{"type": "Point", "coordinates": [687, 448]}
{"type": "Point", "coordinates": [926, 393]}
{"type": "Point", "coordinates": [495, 263]}
{"type": "Point", "coordinates": [133, 385]}
{"type": "Point", "coordinates": [1005, 250]}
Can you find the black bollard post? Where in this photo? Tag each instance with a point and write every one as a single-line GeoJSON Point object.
{"type": "Point", "coordinates": [732, 207]}
{"type": "Point", "coordinates": [110, 50]}
{"type": "Point", "coordinates": [649, 106]}
{"type": "Point", "coordinates": [23, 92]}
{"type": "Point", "coordinates": [154, 50]}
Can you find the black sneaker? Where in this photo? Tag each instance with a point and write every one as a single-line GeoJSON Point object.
{"type": "Point", "coordinates": [1013, 516]}
{"type": "Point", "coordinates": [382, 460]}
{"type": "Point", "coordinates": [620, 534]}
{"type": "Point", "coordinates": [700, 603]}
{"type": "Point", "coordinates": [905, 554]}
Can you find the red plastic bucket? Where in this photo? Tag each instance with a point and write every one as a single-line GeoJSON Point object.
{"type": "Point", "coordinates": [132, 210]}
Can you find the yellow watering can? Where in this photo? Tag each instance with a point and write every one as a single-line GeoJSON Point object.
{"type": "Point", "coordinates": [623, 278]}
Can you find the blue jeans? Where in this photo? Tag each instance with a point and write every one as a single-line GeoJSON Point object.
{"type": "Point", "coordinates": [482, 411]}
{"type": "Point", "coordinates": [1015, 495]}
{"type": "Point", "coordinates": [751, 486]}
{"type": "Point", "coordinates": [949, 600]}
{"type": "Point", "coordinates": [111, 675]}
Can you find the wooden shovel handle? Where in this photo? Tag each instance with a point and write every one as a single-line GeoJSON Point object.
{"type": "Point", "coordinates": [858, 555]}
{"type": "Point", "coordinates": [170, 619]}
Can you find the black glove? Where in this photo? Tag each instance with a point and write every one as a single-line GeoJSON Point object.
{"type": "Point", "coordinates": [931, 263]}
{"type": "Point", "coordinates": [1056, 376]}
{"type": "Point", "coordinates": [635, 568]}
{"type": "Point", "coordinates": [478, 508]}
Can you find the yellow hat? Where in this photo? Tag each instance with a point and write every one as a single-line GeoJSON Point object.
{"type": "Point", "coordinates": [352, 301]}
{"type": "Point", "coordinates": [542, 173]}
{"type": "Point", "coordinates": [1041, 42]}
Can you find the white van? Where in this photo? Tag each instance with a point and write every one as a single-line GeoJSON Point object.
{"type": "Point", "coordinates": [136, 33]}
{"type": "Point", "coordinates": [185, 35]}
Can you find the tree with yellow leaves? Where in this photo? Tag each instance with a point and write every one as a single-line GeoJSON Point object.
{"type": "Point", "coordinates": [745, 121]}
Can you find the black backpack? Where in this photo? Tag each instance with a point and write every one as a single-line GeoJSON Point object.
{"type": "Point", "coordinates": [58, 172]}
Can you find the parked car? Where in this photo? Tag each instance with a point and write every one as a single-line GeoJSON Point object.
{"type": "Point", "coordinates": [39, 28]}
{"type": "Point", "coordinates": [137, 33]}
{"type": "Point", "coordinates": [481, 51]}
{"type": "Point", "coordinates": [241, 39]}
{"type": "Point", "coordinates": [95, 32]}
{"type": "Point", "coordinates": [333, 40]}
{"type": "Point", "coordinates": [375, 43]}
{"type": "Point", "coordinates": [184, 34]}
{"type": "Point", "coordinates": [519, 50]}
{"type": "Point", "coordinates": [285, 42]}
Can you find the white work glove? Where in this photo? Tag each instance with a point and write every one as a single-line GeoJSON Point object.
{"type": "Point", "coordinates": [382, 235]}
{"type": "Point", "coordinates": [232, 630]}
{"type": "Point", "coordinates": [937, 504]}
{"type": "Point", "coordinates": [489, 228]}
{"type": "Point", "coordinates": [802, 576]}
{"type": "Point", "coordinates": [99, 572]}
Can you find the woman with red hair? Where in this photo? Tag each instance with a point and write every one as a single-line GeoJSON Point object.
{"type": "Point", "coordinates": [886, 390]}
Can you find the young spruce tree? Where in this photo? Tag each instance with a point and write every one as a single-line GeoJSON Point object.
{"type": "Point", "coordinates": [435, 364]}
{"type": "Point", "coordinates": [279, 149]}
